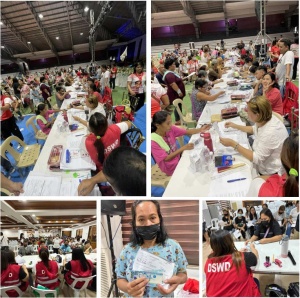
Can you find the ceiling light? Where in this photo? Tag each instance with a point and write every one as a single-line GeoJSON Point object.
{"type": "Point", "coordinates": [41, 16]}
{"type": "Point", "coordinates": [49, 221]}
{"type": "Point", "coordinates": [2, 47]}
{"type": "Point", "coordinates": [64, 221]}
{"type": "Point", "coordinates": [81, 33]}
{"type": "Point", "coordinates": [0, 222]}
{"type": "Point", "coordinates": [1, 23]}
{"type": "Point", "coordinates": [33, 215]}
{"type": "Point", "coordinates": [56, 221]}
{"type": "Point", "coordinates": [94, 216]}
{"type": "Point", "coordinates": [71, 220]}
{"type": "Point", "coordinates": [28, 42]}
{"type": "Point", "coordinates": [38, 222]}
{"type": "Point", "coordinates": [57, 37]}
{"type": "Point", "coordinates": [86, 9]}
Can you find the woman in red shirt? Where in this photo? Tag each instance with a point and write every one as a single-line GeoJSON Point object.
{"type": "Point", "coordinates": [272, 93]}
{"type": "Point", "coordinates": [228, 271]}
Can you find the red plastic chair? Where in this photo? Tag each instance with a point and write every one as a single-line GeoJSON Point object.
{"type": "Point", "coordinates": [291, 101]}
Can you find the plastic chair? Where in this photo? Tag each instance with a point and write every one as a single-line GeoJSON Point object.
{"type": "Point", "coordinates": [3, 291]}
{"type": "Point", "coordinates": [186, 119]}
{"type": "Point", "coordinates": [6, 192]}
{"type": "Point", "coordinates": [214, 224]}
{"type": "Point", "coordinates": [159, 178]}
{"type": "Point", "coordinates": [27, 158]}
{"type": "Point", "coordinates": [35, 248]}
{"type": "Point", "coordinates": [50, 248]}
{"type": "Point", "coordinates": [43, 292]}
{"type": "Point", "coordinates": [39, 135]}
{"type": "Point", "coordinates": [86, 281]}
{"type": "Point", "coordinates": [135, 137]}
{"type": "Point", "coordinates": [294, 118]}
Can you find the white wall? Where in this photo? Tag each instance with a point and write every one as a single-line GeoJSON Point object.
{"type": "Point", "coordinates": [9, 233]}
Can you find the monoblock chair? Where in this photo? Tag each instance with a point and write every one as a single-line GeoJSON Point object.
{"type": "Point", "coordinates": [26, 158]}
{"type": "Point", "coordinates": [4, 291]}
{"type": "Point", "coordinates": [43, 292]}
{"type": "Point", "coordinates": [6, 192]}
{"type": "Point", "coordinates": [50, 248]}
{"type": "Point", "coordinates": [86, 281]}
{"type": "Point", "coordinates": [159, 178]}
{"type": "Point", "coordinates": [214, 224]}
{"type": "Point", "coordinates": [185, 116]}
{"type": "Point", "coordinates": [35, 248]}
{"type": "Point", "coordinates": [39, 135]}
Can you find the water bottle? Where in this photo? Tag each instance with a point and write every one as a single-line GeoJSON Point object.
{"type": "Point", "coordinates": [284, 246]}
{"type": "Point", "coordinates": [206, 158]}
{"type": "Point", "coordinates": [207, 140]}
{"type": "Point", "coordinates": [211, 165]}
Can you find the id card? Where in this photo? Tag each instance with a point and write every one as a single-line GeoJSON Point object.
{"type": "Point", "coordinates": [154, 277]}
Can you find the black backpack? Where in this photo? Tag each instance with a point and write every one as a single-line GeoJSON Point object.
{"type": "Point", "coordinates": [274, 290]}
{"type": "Point", "coordinates": [293, 289]}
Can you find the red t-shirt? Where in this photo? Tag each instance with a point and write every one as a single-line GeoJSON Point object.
{"type": "Point", "coordinates": [99, 97]}
{"type": "Point", "coordinates": [274, 97]}
{"type": "Point", "coordinates": [273, 187]}
{"type": "Point", "coordinates": [110, 140]}
{"type": "Point", "coordinates": [223, 279]}
{"type": "Point", "coordinates": [275, 50]}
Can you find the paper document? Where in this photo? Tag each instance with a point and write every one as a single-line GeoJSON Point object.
{"type": "Point", "coordinates": [145, 261]}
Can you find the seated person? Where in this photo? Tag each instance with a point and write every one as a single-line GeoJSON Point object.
{"type": "Point", "coordinates": [227, 263]}
{"type": "Point", "coordinates": [281, 217]}
{"type": "Point", "coordinates": [45, 118]}
{"type": "Point", "coordinates": [92, 106]}
{"type": "Point", "coordinates": [163, 141]}
{"type": "Point", "coordinates": [93, 90]}
{"type": "Point", "coordinates": [159, 98]}
{"type": "Point", "coordinates": [121, 162]}
{"type": "Point", "coordinates": [227, 218]}
{"type": "Point", "coordinates": [272, 93]}
{"type": "Point", "coordinates": [26, 249]}
{"type": "Point", "coordinates": [200, 96]}
{"type": "Point", "coordinates": [268, 230]}
{"type": "Point", "coordinates": [286, 185]}
{"type": "Point", "coordinates": [259, 74]}
{"type": "Point", "coordinates": [78, 267]}
{"type": "Point", "coordinates": [103, 138]}
{"type": "Point", "coordinates": [269, 133]}
{"type": "Point", "coordinates": [88, 247]}
{"type": "Point", "coordinates": [42, 245]}
{"type": "Point", "coordinates": [46, 271]}
{"type": "Point", "coordinates": [65, 247]}
{"type": "Point", "coordinates": [12, 274]}
{"type": "Point", "coordinates": [240, 223]}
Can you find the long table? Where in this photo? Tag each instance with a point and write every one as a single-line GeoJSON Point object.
{"type": "Point", "coordinates": [271, 249]}
{"type": "Point", "coordinates": [31, 260]}
{"type": "Point", "coordinates": [186, 183]}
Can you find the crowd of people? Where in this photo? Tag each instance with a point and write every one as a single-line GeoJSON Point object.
{"type": "Point", "coordinates": [35, 90]}
{"type": "Point", "coordinates": [204, 68]}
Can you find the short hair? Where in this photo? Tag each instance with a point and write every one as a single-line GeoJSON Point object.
{"type": "Point", "coordinates": [136, 64]}
{"type": "Point", "coordinates": [202, 74]}
{"type": "Point", "coordinates": [214, 62]}
{"type": "Point", "coordinates": [168, 63]}
{"type": "Point", "coordinates": [261, 106]}
{"type": "Point", "coordinates": [263, 68]}
{"type": "Point", "coordinates": [93, 100]}
{"type": "Point", "coordinates": [253, 69]}
{"type": "Point", "coordinates": [125, 169]}
{"type": "Point", "coordinates": [286, 42]}
{"type": "Point", "coordinates": [162, 233]}
{"type": "Point", "coordinates": [200, 83]}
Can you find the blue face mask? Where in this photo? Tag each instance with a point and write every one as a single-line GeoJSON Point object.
{"type": "Point", "coordinates": [240, 215]}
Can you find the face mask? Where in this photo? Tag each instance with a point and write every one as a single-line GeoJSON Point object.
{"type": "Point", "coordinates": [265, 223]}
{"type": "Point", "coordinates": [240, 215]}
{"type": "Point", "coordinates": [148, 232]}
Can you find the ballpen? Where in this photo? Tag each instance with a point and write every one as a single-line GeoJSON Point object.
{"type": "Point", "coordinates": [234, 180]}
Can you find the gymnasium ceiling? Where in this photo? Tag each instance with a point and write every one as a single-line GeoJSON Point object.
{"type": "Point", "coordinates": [65, 25]}
{"type": "Point", "coordinates": [172, 13]}
{"type": "Point", "coordinates": [21, 214]}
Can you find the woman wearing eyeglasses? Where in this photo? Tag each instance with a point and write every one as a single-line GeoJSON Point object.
{"type": "Point", "coordinates": [200, 96]}
{"type": "Point", "coordinates": [269, 133]}
{"type": "Point", "coordinates": [268, 230]}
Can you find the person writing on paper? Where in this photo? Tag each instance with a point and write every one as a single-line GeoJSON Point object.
{"type": "Point", "coordinates": [92, 106]}
{"type": "Point", "coordinates": [268, 230]}
{"type": "Point", "coordinates": [272, 93]}
{"type": "Point", "coordinates": [13, 274]}
{"type": "Point", "coordinates": [148, 232]}
{"type": "Point", "coordinates": [121, 162]}
{"type": "Point", "coordinates": [200, 96]}
{"type": "Point", "coordinates": [228, 271]}
{"type": "Point", "coordinates": [103, 138]}
{"type": "Point", "coordinates": [163, 141]}
{"type": "Point", "coordinates": [45, 118]}
{"type": "Point", "coordinates": [287, 184]}
{"type": "Point", "coordinates": [269, 133]}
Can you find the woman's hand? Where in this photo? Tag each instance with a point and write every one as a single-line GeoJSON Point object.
{"type": "Point", "coordinates": [205, 127]}
{"type": "Point", "coordinates": [189, 146]}
{"type": "Point", "coordinates": [136, 288]}
{"type": "Point", "coordinates": [132, 93]}
{"type": "Point", "coordinates": [252, 246]}
{"type": "Point", "coordinates": [76, 118]}
{"type": "Point", "coordinates": [85, 187]}
{"type": "Point", "coordinates": [174, 281]}
{"type": "Point", "coordinates": [221, 92]}
{"type": "Point", "coordinates": [230, 124]}
{"type": "Point", "coordinates": [227, 142]}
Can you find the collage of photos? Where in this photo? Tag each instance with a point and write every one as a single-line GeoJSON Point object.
{"type": "Point", "coordinates": [159, 137]}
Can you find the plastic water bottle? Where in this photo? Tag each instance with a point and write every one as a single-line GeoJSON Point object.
{"type": "Point", "coordinates": [284, 246]}
{"type": "Point", "coordinates": [206, 158]}
{"type": "Point", "coordinates": [211, 165]}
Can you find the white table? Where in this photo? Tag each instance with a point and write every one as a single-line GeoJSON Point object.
{"type": "Point", "coordinates": [185, 183]}
{"type": "Point", "coordinates": [271, 249]}
{"type": "Point", "coordinates": [35, 258]}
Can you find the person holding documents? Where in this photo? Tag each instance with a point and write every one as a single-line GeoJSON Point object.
{"type": "Point", "coordinates": [269, 133]}
{"type": "Point", "coordinates": [157, 254]}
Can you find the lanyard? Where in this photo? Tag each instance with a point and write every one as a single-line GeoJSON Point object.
{"type": "Point", "coordinates": [266, 232]}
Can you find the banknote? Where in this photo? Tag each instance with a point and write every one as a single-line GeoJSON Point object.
{"type": "Point", "coordinates": [154, 277]}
